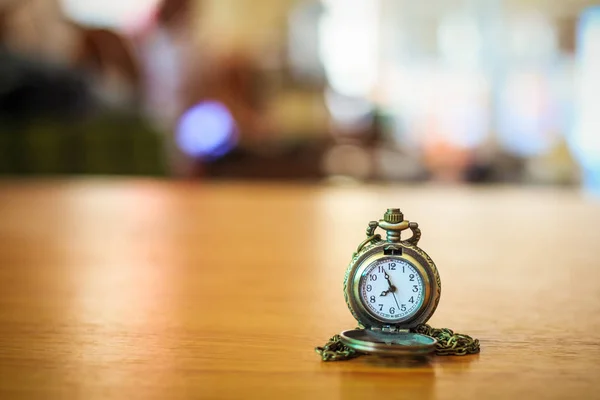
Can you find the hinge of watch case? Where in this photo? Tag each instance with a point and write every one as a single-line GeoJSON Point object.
{"type": "Point", "coordinates": [389, 329]}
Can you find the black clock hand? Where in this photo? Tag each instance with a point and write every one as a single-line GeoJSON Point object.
{"type": "Point", "coordinates": [392, 287]}
{"type": "Point", "coordinates": [396, 300]}
{"type": "Point", "coordinates": [384, 293]}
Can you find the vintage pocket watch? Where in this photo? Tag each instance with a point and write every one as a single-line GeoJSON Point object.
{"type": "Point", "coordinates": [392, 287]}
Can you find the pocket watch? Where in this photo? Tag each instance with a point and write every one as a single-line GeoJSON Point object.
{"type": "Point", "coordinates": [392, 288]}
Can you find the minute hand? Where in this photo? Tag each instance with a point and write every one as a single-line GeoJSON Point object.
{"type": "Point", "coordinates": [392, 287]}
{"type": "Point", "coordinates": [396, 300]}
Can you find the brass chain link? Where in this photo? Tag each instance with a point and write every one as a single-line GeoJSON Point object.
{"type": "Point", "coordinates": [335, 350]}
{"type": "Point", "coordinates": [449, 344]}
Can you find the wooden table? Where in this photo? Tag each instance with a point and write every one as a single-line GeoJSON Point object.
{"type": "Point", "coordinates": [159, 290]}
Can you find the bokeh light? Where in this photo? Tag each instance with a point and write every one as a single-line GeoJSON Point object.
{"type": "Point", "coordinates": [583, 138]}
{"type": "Point", "coordinates": [109, 13]}
{"type": "Point", "coordinates": [206, 130]}
{"type": "Point", "coordinates": [528, 115]}
{"type": "Point", "coordinates": [349, 45]}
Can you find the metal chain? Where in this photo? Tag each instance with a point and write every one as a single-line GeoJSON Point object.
{"type": "Point", "coordinates": [335, 350]}
{"type": "Point", "coordinates": [449, 344]}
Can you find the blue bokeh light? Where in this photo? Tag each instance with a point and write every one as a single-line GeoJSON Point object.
{"type": "Point", "coordinates": [207, 130]}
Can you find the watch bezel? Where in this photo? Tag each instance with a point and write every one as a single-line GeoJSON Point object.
{"type": "Point", "coordinates": [410, 253]}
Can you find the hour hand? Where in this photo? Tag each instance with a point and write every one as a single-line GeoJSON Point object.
{"type": "Point", "coordinates": [384, 293]}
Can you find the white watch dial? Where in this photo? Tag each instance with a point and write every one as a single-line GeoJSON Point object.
{"type": "Point", "coordinates": [392, 289]}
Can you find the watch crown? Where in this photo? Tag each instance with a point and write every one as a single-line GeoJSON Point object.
{"type": "Point", "coordinates": [393, 216]}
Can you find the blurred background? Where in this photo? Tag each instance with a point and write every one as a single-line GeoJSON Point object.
{"type": "Point", "coordinates": [344, 90]}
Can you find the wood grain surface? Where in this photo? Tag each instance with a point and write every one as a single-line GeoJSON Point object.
{"type": "Point", "coordinates": [157, 290]}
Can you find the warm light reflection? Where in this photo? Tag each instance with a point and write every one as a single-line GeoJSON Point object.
{"type": "Point", "coordinates": [122, 293]}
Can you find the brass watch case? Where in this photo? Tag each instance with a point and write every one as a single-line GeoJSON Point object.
{"type": "Point", "coordinates": [375, 250]}
{"type": "Point", "coordinates": [408, 337]}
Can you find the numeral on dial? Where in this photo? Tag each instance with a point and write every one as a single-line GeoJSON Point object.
{"type": "Point", "coordinates": [415, 288]}
{"type": "Point", "coordinates": [392, 266]}
{"type": "Point", "coordinates": [373, 277]}
{"type": "Point", "coordinates": [372, 299]}
{"type": "Point", "coordinates": [392, 310]}
{"type": "Point", "coordinates": [411, 300]}
{"type": "Point", "coordinates": [412, 277]}
{"type": "Point", "coordinates": [369, 288]}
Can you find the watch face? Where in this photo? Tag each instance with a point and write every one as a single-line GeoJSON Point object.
{"type": "Point", "coordinates": [392, 289]}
